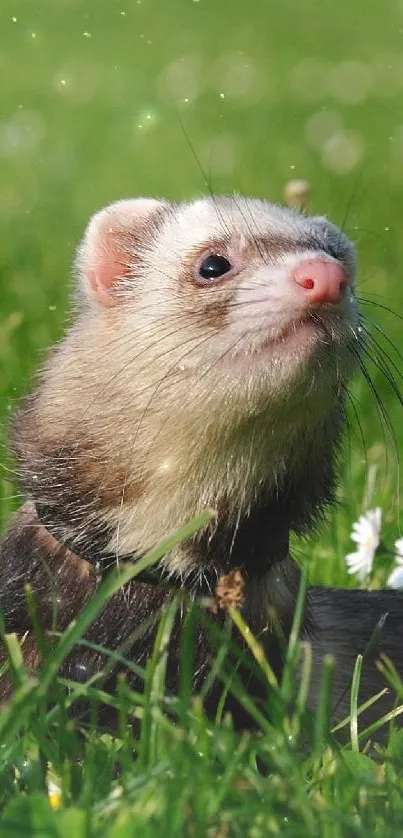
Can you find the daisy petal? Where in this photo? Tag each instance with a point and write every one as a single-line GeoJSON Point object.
{"type": "Point", "coordinates": [360, 563]}
{"type": "Point", "coordinates": [366, 534]}
{"type": "Point", "coordinates": [395, 580]}
{"type": "Point", "coordinates": [399, 548]}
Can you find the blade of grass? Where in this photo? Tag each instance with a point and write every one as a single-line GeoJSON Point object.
{"type": "Point", "coordinates": [255, 647]}
{"type": "Point", "coordinates": [383, 720]}
{"type": "Point", "coordinates": [355, 686]}
{"type": "Point", "coordinates": [155, 683]}
{"type": "Point", "coordinates": [292, 653]}
{"type": "Point", "coordinates": [344, 722]}
{"type": "Point", "coordinates": [305, 678]}
{"type": "Point", "coordinates": [322, 717]}
{"type": "Point", "coordinates": [15, 659]}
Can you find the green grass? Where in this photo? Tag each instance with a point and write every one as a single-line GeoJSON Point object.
{"type": "Point", "coordinates": [77, 82]}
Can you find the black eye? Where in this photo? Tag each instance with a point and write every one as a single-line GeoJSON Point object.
{"type": "Point", "coordinates": [214, 266]}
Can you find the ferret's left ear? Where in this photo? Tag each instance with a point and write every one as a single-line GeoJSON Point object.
{"type": "Point", "coordinates": [112, 242]}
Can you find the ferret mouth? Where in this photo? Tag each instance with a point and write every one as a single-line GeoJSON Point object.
{"type": "Point", "coordinates": [298, 339]}
{"type": "Point", "coordinates": [296, 328]}
{"type": "Point", "coordinates": [312, 334]}
{"type": "Point", "coordinates": [308, 329]}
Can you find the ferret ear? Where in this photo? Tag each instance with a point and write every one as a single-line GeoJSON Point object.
{"type": "Point", "coordinates": [112, 241]}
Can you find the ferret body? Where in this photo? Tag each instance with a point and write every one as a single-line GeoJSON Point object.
{"type": "Point", "coordinates": [205, 368]}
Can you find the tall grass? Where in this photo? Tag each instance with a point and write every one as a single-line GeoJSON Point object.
{"type": "Point", "coordinates": [171, 771]}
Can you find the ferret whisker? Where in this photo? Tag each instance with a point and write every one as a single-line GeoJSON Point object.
{"type": "Point", "coordinates": [378, 328]}
{"type": "Point", "coordinates": [129, 363]}
{"type": "Point", "coordinates": [385, 357]}
{"type": "Point", "coordinates": [350, 201]}
{"type": "Point", "coordinates": [228, 351]}
{"type": "Point", "coordinates": [158, 270]}
{"type": "Point", "coordinates": [357, 424]}
{"type": "Point", "coordinates": [385, 421]}
{"type": "Point", "coordinates": [236, 304]}
{"type": "Point", "coordinates": [343, 407]}
{"type": "Point", "coordinates": [98, 395]}
{"type": "Point", "coordinates": [163, 355]}
{"type": "Point", "coordinates": [355, 230]}
{"type": "Point", "coordinates": [127, 339]}
{"type": "Point", "coordinates": [366, 301]}
{"type": "Point", "coordinates": [196, 346]}
{"type": "Point", "coordinates": [382, 361]}
{"type": "Point", "coordinates": [253, 235]}
{"type": "Point", "coordinates": [206, 180]}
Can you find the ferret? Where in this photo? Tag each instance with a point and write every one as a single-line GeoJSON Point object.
{"type": "Point", "coordinates": [206, 368]}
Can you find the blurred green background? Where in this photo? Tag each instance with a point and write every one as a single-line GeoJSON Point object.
{"type": "Point", "coordinates": [93, 99]}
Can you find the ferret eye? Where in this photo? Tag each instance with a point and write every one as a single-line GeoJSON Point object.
{"type": "Point", "coordinates": [214, 266]}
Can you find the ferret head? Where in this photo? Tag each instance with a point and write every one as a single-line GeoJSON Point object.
{"type": "Point", "coordinates": [206, 366]}
{"type": "Point", "coordinates": [253, 299]}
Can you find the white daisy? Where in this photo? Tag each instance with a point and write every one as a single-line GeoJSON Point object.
{"type": "Point", "coordinates": [399, 550]}
{"type": "Point", "coordinates": [395, 579]}
{"type": "Point", "coordinates": [366, 534]}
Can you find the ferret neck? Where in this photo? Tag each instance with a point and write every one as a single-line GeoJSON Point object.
{"type": "Point", "coordinates": [255, 545]}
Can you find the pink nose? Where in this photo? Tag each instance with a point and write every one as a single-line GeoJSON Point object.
{"type": "Point", "coordinates": [322, 280]}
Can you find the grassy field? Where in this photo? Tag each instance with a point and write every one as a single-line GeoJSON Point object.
{"type": "Point", "coordinates": [93, 99]}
